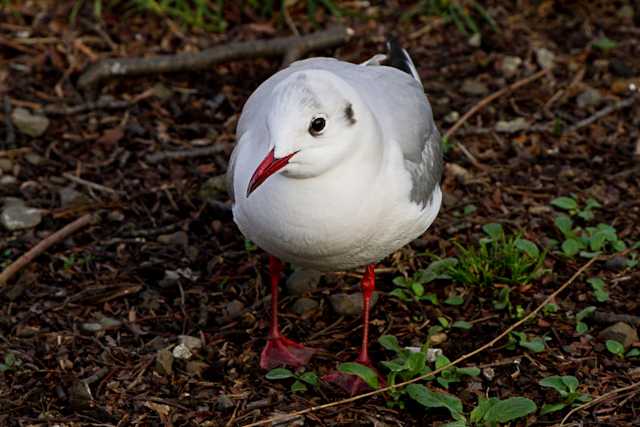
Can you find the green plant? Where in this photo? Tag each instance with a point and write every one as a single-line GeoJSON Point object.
{"type": "Point", "coordinates": [605, 44]}
{"type": "Point", "coordinates": [588, 242]}
{"type": "Point", "coordinates": [11, 362]}
{"type": "Point", "coordinates": [599, 290]}
{"type": "Point", "coordinates": [582, 327]}
{"type": "Point", "coordinates": [535, 344]}
{"type": "Point", "coordinates": [567, 387]}
{"type": "Point", "coordinates": [466, 15]}
{"type": "Point", "coordinates": [497, 259]}
{"type": "Point", "coordinates": [616, 348]}
{"type": "Point", "coordinates": [412, 288]}
{"type": "Point", "coordinates": [365, 373]}
{"type": "Point", "coordinates": [452, 374]}
{"type": "Point", "coordinates": [301, 380]}
{"type": "Point", "coordinates": [570, 204]}
{"type": "Point", "coordinates": [492, 411]}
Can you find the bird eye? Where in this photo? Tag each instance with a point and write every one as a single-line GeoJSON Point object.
{"type": "Point", "coordinates": [317, 125]}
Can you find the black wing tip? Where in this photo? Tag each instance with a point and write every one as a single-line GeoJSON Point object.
{"type": "Point", "coordinates": [399, 58]}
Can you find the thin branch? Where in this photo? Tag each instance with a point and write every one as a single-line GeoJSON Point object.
{"type": "Point", "coordinates": [490, 98]}
{"type": "Point", "coordinates": [290, 47]}
{"type": "Point", "coordinates": [89, 184]}
{"type": "Point", "coordinates": [490, 344]}
{"type": "Point", "coordinates": [603, 112]}
{"type": "Point", "coordinates": [38, 249]}
{"type": "Point", "coordinates": [598, 400]}
{"type": "Point", "coordinates": [101, 104]}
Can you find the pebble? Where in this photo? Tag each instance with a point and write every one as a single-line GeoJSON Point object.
{"type": "Point", "coordinates": [30, 124]}
{"type": "Point", "coordinates": [164, 362]}
{"type": "Point", "coordinates": [35, 159]}
{"type": "Point", "coordinates": [232, 310]}
{"type": "Point", "coordinates": [350, 304]}
{"type": "Point", "coordinates": [512, 126]}
{"type": "Point", "coordinates": [6, 165]}
{"type": "Point", "coordinates": [7, 180]}
{"type": "Point", "coordinates": [302, 281]}
{"type": "Point", "coordinates": [181, 351]}
{"type": "Point", "coordinates": [475, 40]}
{"type": "Point", "coordinates": [213, 188]}
{"type": "Point", "coordinates": [589, 98]}
{"type": "Point", "coordinates": [545, 57]}
{"type": "Point", "coordinates": [460, 173]}
{"type": "Point", "coordinates": [69, 197]}
{"type": "Point", "coordinates": [452, 117]}
{"type": "Point", "coordinates": [192, 343]}
{"type": "Point", "coordinates": [437, 339]}
{"type": "Point", "coordinates": [161, 92]}
{"type": "Point", "coordinates": [179, 238]}
{"type": "Point", "coordinates": [196, 367]}
{"type": "Point", "coordinates": [509, 65]}
{"type": "Point", "coordinates": [224, 402]}
{"type": "Point", "coordinates": [621, 332]}
{"type": "Point", "coordinates": [19, 217]}
{"type": "Point", "coordinates": [304, 305]}
{"type": "Point", "coordinates": [617, 263]}
{"type": "Point", "coordinates": [474, 87]}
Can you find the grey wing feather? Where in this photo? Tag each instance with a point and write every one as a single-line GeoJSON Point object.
{"type": "Point", "coordinates": [427, 171]}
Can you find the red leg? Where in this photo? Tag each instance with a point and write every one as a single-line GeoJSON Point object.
{"type": "Point", "coordinates": [350, 383]}
{"type": "Point", "coordinates": [281, 350]}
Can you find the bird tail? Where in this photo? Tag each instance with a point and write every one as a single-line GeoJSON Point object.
{"type": "Point", "coordinates": [400, 59]}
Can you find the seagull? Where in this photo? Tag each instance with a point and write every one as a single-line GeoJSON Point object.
{"type": "Point", "coordinates": [336, 166]}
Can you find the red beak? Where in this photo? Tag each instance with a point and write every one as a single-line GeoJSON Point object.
{"type": "Point", "coordinates": [267, 167]}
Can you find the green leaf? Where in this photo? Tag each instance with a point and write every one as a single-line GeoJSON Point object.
{"type": "Point", "coordinates": [469, 209]}
{"type": "Point", "coordinates": [493, 230]}
{"type": "Point", "coordinates": [571, 247]}
{"type": "Point", "coordinates": [548, 408]}
{"type": "Point", "coordinates": [393, 366]}
{"type": "Point", "coordinates": [309, 377]}
{"type": "Point", "coordinates": [454, 300]}
{"type": "Point", "coordinates": [563, 384]}
{"type": "Point", "coordinates": [431, 399]}
{"type": "Point", "coordinates": [279, 374]}
{"type": "Point", "coordinates": [431, 297]}
{"type": "Point", "coordinates": [634, 352]}
{"type": "Point", "coordinates": [615, 347]}
{"type": "Point", "coordinates": [585, 312]}
{"type": "Point", "coordinates": [510, 409]}
{"type": "Point", "coordinates": [536, 345]}
{"type": "Point", "coordinates": [478, 413]}
{"type": "Point", "coordinates": [367, 374]}
{"type": "Point", "coordinates": [417, 289]}
{"type": "Point", "coordinates": [390, 343]}
{"type": "Point", "coordinates": [597, 241]}
{"type": "Point", "coordinates": [566, 203]}
{"type": "Point", "coordinates": [401, 294]}
{"type": "Point", "coordinates": [462, 324]}
{"type": "Point", "coordinates": [619, 246]}
{"type": "Point", "coordinates": [298, 386]}
{"type": "Point", "coordinates": [598, 286]}
{"type": "Point", "coordinates": [528, 247]}
{"type": "Point", "coordinates": [564, 224]}
{"type": "Point", "coordinates": [402, 281]}
{"type": "Point", "coordinates": [471, 371]}
{"type": "Point", "coordinates": [416, 361]}
{"type": "Point", "coordinates": [581, 328]}
{"type": "Point", "coordinates": [441, 361]}
{"type": "Point", "coordinates": [605, 44]}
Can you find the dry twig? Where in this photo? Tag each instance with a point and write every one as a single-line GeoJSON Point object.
{"type": "Point", "coordinates": [291, 47]}
{"type": "Point", "coordinates": [598, 400]}
{"type": "Point", "coordinates": [462, 358]}
{"type": "Point", "coordinates": [627, 102]}
{"type": "Point", "coordinates": [89, 184]}
{"type": "Point", "coordinates": [38, 249]}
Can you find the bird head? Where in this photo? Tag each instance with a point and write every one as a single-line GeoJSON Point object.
{"type": "Point", "coordinates": [315, 121]}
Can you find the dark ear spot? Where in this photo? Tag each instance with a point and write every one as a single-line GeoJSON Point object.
{"type": "Point", "coordinates": [348, 112]}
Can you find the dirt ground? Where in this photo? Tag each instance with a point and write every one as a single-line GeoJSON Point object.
{"type": "Point", "coordinates": [88, 330]}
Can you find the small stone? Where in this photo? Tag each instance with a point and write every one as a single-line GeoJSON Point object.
{"type": "Point", "coordinates": [621, 332]}
{"type": "Point", "coordinates": [509, 65]}
{"type": "Point", "coordinates": [20, 217]}
{"type": "Point", "coordinates": [302, 281]}
{"type": "Point", "coordinates": [232, 310]}
{"type": "Point", "coordinates": [116, 216]}
{"type": "Point", "coordinates": [475, 40]}
{"type": "Point", "coordinates": [224, 402]}
{"type": "Point", "coordinates": [213, 188]}
{"type": "Point", "coordinates": [179, 238]}
{"type": "Point", "coordinates": [617, 263]}
{"type": "Point", "coordinates": [196, 367]}
{"type": "Point", "coordinates": [589, 98]}
{"type": "Point", "coordinates": [304, 305]}
{"type": "Point", "coordinates": [13, 201]}
{"type": "Point", "coordinates": [181, 351]}
{"type": "Point", "coordinates": [192, 343]}
{"type": "Point", "coordinates": [545, 57]}
{"type": "Point", "coordinates": [474, 87]}
{"type": "Point", "coordinates": [30, 124]}
{"type": "Point", "coordinates": [437, 339]}
{"type": "Point", "coordinates": [350, 304]}
{"type": "Point", "coordinates": [512, 126]}
{"type": "Point", "coordinates": [170, 278]}
{"type": "Point", "coordinates": [35, 159]}
{"type": "Point", "coordinates": [488, 373]}
{"type": "Point", "coordinates": [540, 209]}
{"type": "Point", "coordinates": [164, 362]}
{"type": "Point", "coordinates": [91, 327]}
{"type": "Point", "coordinates": [452, 117]}
{"type": "Point", "coordinates": [7, 180]}
{"type": "Point", "coordinates": [6, 165]}
{"type": "Point", "coordinates": [461, 174]}
{"type": "Point", "coordinates": [69, 197]}
{"type": "Point", "coordinates": [161, 92]}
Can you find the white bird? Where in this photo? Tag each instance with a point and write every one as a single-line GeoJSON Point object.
{"type": "Point", "coordinates": [337, 165]}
